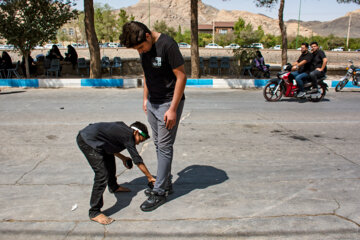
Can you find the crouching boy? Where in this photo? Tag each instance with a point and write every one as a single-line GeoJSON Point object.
{"type": "Point", "coordinates": [100, 142]}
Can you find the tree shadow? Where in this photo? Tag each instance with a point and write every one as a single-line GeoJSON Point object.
{"type": "Point", "coordinates": [191, 178]}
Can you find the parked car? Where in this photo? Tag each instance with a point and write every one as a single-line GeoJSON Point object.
{"type": "Point", "coordinates": [113, 45]}
{"type": "Point", "coordinates": [48, 46]}
{"type": "Point", "coordinates": [257, 45]}
{"type": "Point", "coordinates": [277, 47]}
{"type": "Point", "coordinates": [213, 45]}
{"type": "Point", "coordinates": [232, 46]}
{"type": "Point", "coordinates": [184, 45]}
{"type": "Point", "coordinates": [338, 49]}
{"type": "Point", "coordinates": [38, 47]}
{"type": "Point", "coordinates": [357, 50]}
{"type": "Point", "coordinates": [6, 47]}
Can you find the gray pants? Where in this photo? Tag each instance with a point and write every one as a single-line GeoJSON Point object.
{"type": "Point", "coordinates": [164, 140]}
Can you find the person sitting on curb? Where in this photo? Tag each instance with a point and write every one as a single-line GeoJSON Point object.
{"type": "Point", "coordinates": [318, 65]}
{"type": "Point", "coordinates": [260, 65]}
{"type": "Point", "coordinates": [301, 68]}
{"type": "Point", "coordinates": [99, 142]}
{"type": "Point", "coordinates": [71, 56]}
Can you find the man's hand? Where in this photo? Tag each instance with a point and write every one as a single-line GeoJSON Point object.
{"type": "Point", "coordinates": [170, 119]}
{"type": "Point", "coordinates": [144, 106]}
{"type": "Point", "coordinates": [319, 69]}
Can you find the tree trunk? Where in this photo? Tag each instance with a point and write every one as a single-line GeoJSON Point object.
{"type": "Point", "coordinates": [95, 67]}
{"type": "Point", "coordinates": [195, 73]}
{"type": "Point", "coordinates": [27, 68]}
{"type": "Point", "coordinates": [283, 33]}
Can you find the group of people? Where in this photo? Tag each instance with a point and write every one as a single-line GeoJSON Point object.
{"type": "Point", "coordinates": [54, 53]}
{"type": "Point", "coordinates": [5, 63]}
{"type": "Point", "coordinates": [163, 102]}
{"type": "Point", "coordinates": [70, 56]}
{"type": "Point", "coordinates": [309, 65]}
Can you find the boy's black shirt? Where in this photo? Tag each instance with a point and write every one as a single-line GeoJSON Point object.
{"type": "Point", "coordinates": [158, 65]}
{"type": "Point", "coordinates": [111, 137]}
{"type": "Point", "coordinates": [307, 67]}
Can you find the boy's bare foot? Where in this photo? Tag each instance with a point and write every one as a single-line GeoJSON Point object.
{"type": "Point", "coordinates": [122, 189]}
{"type": "Point", "coordinates": [102, 219]}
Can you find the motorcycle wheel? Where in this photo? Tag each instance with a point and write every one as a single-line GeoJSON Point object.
{"type": "Point", "coordinates": [341, 85]}
{"type": "Point", "coordinates": [269, 93]}
{"type": "Point", "coordinates": [322, 89]}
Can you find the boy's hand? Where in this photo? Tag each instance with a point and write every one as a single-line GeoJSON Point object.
{"type": "Point", "coordinates": [151, 182]}
{"type": "Point", "coordinates": [128, 163]}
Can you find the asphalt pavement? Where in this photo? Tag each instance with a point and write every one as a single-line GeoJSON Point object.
{"type": "Point", "coordinates": [243, 168]}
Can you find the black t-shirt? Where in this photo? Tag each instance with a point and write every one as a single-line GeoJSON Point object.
{"type": "Point", "coordinates": [307, 67]}
{"type": "Point", "coordinates": [158, 64]}
{"type": "Point", "coordinates": [317, 60]}
{"type": "Point", "coordinates": [111, 137]}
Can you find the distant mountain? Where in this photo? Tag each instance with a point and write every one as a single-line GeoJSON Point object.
{"type": "Point", "coordinates": [177, 13]}
{"type": "Point", "coordinates": [338, 27]}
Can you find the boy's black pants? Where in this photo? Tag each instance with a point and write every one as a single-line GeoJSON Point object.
{"type": "Point", "coordinates": [104, 168]}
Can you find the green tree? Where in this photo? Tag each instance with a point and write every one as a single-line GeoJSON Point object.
{"type": "Point", "coordinates": [164, 28]}
{"type": "Point", "coordinates": [99, 21]}
{"type": "Point", "coordinates": [26, 24]}
{"type": "Point", "coordinates": [122, 19]}
{"type": "Point", "coordinates": [269, 4]}
{"type": "Point", "coordinates": [62, 36]}
{"type": "Point", "coordinates": [81, 26]}
{"type": "Point", "coordinates": [109, 24]}
{"type": "Point", "coordinates": [178, 36]}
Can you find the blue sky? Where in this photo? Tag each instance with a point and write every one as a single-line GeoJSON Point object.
{"type": "Point", "coordinates": [321, 10]}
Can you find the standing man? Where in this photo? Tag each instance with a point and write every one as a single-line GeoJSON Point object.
{"type": "Point", "coordinates": [318, 65]}
{"type": "Point", "coordinates": [302, 68]}
{"type": "Point", "coordinates": [163, 100]}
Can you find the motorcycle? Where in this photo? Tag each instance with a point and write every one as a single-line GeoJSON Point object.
{"type": "Point", "coordinates": [353, 74]}
{"type": "Point", "coordinates": [276, 88]}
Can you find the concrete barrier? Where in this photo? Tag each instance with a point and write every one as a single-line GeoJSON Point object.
{"type": "Point", "coordinates": [137, 82]}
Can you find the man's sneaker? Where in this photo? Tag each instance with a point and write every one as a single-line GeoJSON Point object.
{"type": "Point", "coordinates": [167, 191]}
{"type": "Point", "coordinates": [301, 94]}
{"type": "Point", "coordinates": [153, 202]}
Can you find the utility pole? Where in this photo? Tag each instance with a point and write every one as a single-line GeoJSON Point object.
{"type": "Point", "coordinates": [149, 16]}
{"type": "Point", "coordinates": [348, 33]}
{"type": "Point", "coordinates": [297, 36]}
{"type": "Point", "coordinates": [213, 32]}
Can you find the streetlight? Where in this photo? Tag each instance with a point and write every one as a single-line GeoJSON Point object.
{"type": "Point", "coordinates": [297, 36]}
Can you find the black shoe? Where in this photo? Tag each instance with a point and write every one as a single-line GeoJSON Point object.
{"type": "Point", "coordinates": [314, 90]}
{"type": "Point", "coordinates": [154, 201]}
{"type": "Point", "coordinates": [168, 191]}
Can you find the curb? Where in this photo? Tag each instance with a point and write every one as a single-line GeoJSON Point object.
{"type": "Point", "coordinates": [135, 82]}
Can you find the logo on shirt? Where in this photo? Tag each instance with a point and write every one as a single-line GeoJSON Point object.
{"type": "Point", "coordinates": [156, 62]}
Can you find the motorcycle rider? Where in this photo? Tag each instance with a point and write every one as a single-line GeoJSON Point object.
{"type": "Point", "coordinates": [318, 65]}
{"type": "Point", "coordinates": [301, 68]}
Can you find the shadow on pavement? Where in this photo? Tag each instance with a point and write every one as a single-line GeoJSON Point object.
{"type": "Point", "coordinates": [191, 178]}
{"type": "Point", "coordinates": [12, 92]}
{"type": "Point", "coordinates": [124, 198]}
{"type": "Point", "coordinates": [196, 177]}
